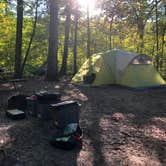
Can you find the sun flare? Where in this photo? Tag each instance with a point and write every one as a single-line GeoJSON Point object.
{"type": "Point", "coordinates": [85, 3]}
{"type": "Point", "coordinates": [91, 4]}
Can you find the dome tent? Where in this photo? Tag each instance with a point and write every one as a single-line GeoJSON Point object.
{"type": "Point", "coordinates": [122, 68]}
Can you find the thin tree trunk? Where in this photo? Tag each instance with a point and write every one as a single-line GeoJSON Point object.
{"type": "Point", "coordinates": [66, 42]}
{"type": "Point", "coordinates": [88, 34]}
{"type": "Point", "coordinates": [141, 37]}
{"type": "Point", "coordinates": [75, 40]}
{"type": "Point", "coordinates": [31, 38]}
{"type": "Point", "coordinates": [18, 53]}
{"type": "Point", "coordinates": [89, 41]}
{"type": "Point", "coordinates": [110, 35]}
{"type": "Point", "coordinates": [163, 41]}
{"type": "Point", "coordinates": [162, 46]}
{"type": "Point", "coordinates": [157, 42]}
{"type": "Point", "coordinates": [52, 62]}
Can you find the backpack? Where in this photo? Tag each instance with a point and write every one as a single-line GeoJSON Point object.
{"type": "Point", "coordinates": [17, 102]}
{"type": "Point", "coordinates": [68, 141]}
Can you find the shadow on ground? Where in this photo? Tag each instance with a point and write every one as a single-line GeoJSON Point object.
{"type": "Point", "coordinates": [121, 127]}
{"type": "Point", "coordinates": [126, 127]}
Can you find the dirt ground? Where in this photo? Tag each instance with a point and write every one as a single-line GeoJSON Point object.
{"type": "Point", "coordinates": [121, 127]}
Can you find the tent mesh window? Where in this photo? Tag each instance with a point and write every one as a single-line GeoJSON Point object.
{"type": "Point", "coordinates": [141, 59]}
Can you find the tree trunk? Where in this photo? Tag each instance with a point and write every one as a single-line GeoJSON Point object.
{"type": "Point", "coordinates": [18, 53]}
{"type": "Point", "coordinates": [141, 27]}
{"type": "Point", "coordinates": [88, 34]}
{"type": "Point", "coordinates": [75, 40]}
{"type": "Point", "coordinates": [162, 40]}
{"type": "Point", "coordinates": [163, 29]}
{"type": "Point", "coordinates": [66, 42]}
{"type": "Point", "coordinates": [89, 42]}
{"type": "Point", "coordinates": [31, 38]}
{"type": "Point", "coordinates": [157, 41]}
{"type": "Point", "coordinates": [110, 34]}
{"type": "Point", "coordinates": [52, 62]}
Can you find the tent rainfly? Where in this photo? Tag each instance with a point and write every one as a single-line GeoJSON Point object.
{"type": "Point", "coordinates": [122, 68]}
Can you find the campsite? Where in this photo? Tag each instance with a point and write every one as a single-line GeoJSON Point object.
{"type": "Point", "coordinates": [82, 83]}
{"type": "Point", "coordinates": [120, 126]}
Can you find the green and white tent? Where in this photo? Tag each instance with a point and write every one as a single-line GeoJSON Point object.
{"type": "Point", "coordinates": [122, 68]}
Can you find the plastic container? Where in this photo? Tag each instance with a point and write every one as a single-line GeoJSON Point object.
{"type": "Point", "coordinates": [44, 99]}
{"type": "Point", "coordinates": [32, 105]}
{"type": "Point", "coordinates": [66, 112]}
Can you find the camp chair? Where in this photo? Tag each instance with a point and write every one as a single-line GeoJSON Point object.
{"type": "Point", "coordinates": [6, 77]}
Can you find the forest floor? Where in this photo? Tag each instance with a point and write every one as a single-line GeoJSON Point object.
{"type": "Point", "coordinates": [121, 127]}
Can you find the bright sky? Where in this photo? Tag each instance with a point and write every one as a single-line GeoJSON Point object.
{"type": "Point", "coordinates": [91, 3]}
{"type": "Point", "coordinates": [85, 3]}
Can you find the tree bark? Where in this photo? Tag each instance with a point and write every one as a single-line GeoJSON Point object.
{"type": "Point", "coordinates": [141, 27]}
{"type": "Point", "coordinates": [89, 41]}
{"type": "Point", "coordinates": [110, 34]}
{"type": "Point", "coordinates": [31, 38]}
{"type": "Point", "coordinates": [66, 41]}
{"type": "Point", "coordinates": [18, 53]}
{"type": "Point", "coordinates": [157, 36]}
{"type": "Point", "coordinates": [88, 34]}
{"type": "Point", "coordinates": [162, 40]}
{"type": "Point", "coordinates": [52, 61]}
{"type": "Point", "coordinates": [75, 41]}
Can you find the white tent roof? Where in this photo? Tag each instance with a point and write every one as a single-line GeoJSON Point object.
{"type": "Point", "coordinates": [122, 60]}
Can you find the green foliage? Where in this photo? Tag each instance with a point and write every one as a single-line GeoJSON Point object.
{"type": "Point", "coordinates": [7, 37]}
{"type": "Point", "coordinates": [125, 34]}
{"type": "Point", "coordinates": [33, 70]}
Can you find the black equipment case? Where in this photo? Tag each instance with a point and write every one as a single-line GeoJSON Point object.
{"type": "Point", "coordinates": [15, 114]}
{"type": "Point", "coordinates": [66, 112]}
{"type": "Point", "coordinates": [44, 99]}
